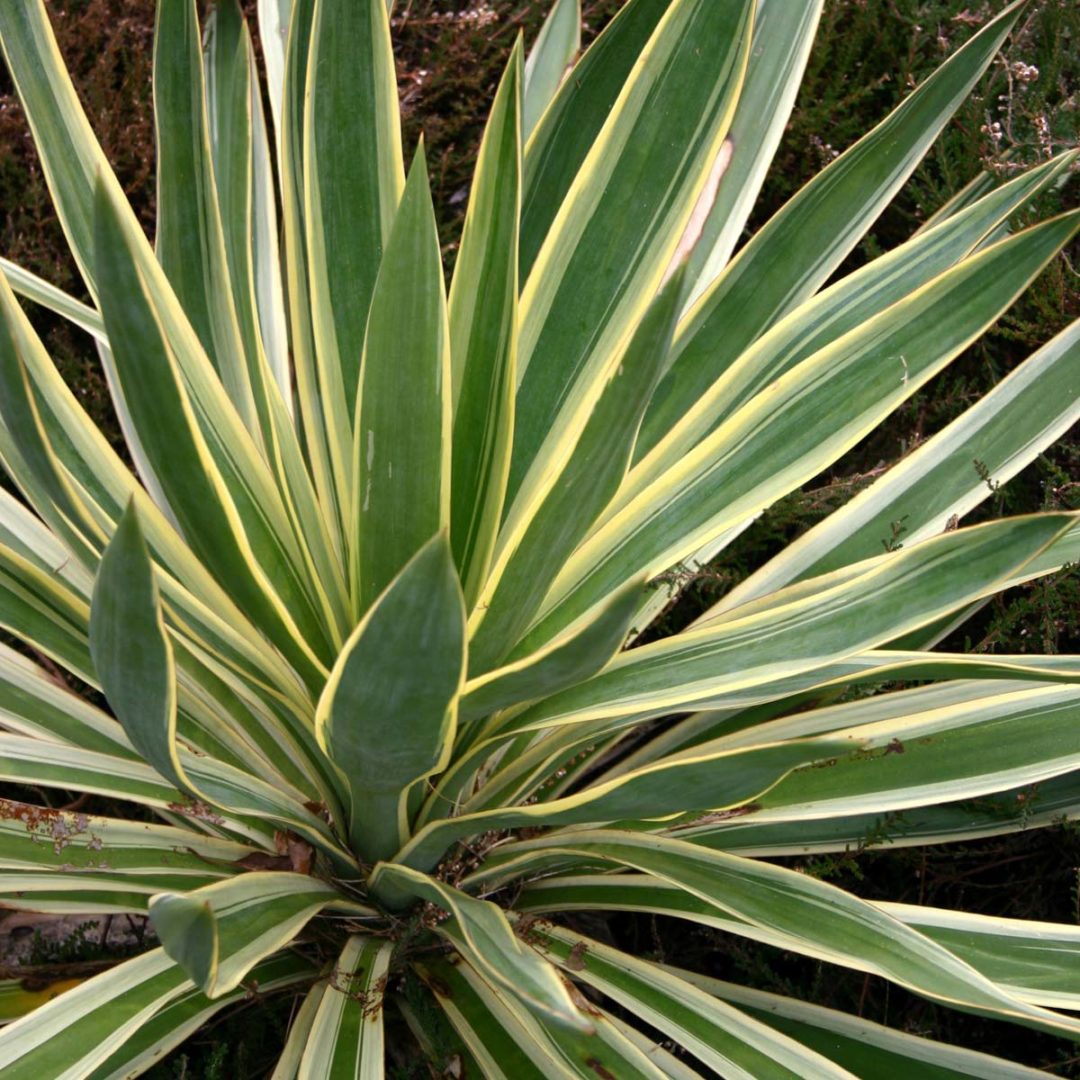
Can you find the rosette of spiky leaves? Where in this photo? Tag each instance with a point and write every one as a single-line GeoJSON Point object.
{"type": "Point", "coordinates": [360, 607]}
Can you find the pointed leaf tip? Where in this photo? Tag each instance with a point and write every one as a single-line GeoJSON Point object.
{"type": "Point", "coordinates": [188, 933]}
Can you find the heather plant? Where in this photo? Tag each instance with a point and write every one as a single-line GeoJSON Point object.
{"type": "Point", "coordinates": [375, 707]}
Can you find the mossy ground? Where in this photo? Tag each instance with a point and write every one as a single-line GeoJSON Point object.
{"type": "Point", "coordinates": [869, 53]}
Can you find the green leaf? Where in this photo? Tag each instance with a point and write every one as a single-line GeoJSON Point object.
{"type": "Point", "coordinates": [741, 713]}
{"type": "Point", "coordinates": [1034, 960]}
{"type": "Point", "coordinates": [529, 559]}
{"type": "Point", "coordinates": [383, 726]}
{"type": "Point", "coordinates": [325, 438]}
{"type": "Point", "coordinates": [709, 781]}
{"type": "Point", "coordinates": [75, 1033]}
{"type": "Point", "coordinates": [600, 265]}
{"type": "Point", "coordinates": [827, 922]}
{"type": "Point", "coordinates": [45, 614]}
{"type": "Point", "coordinates": [1037, 960]}
{"type": "Point", "coordinates": [350, 197]}
{"type": "Point", "coordinates": [791, 431]}
{"type": "Point", "coordinates": [783, 34]}
{"type": "Point", "coordinates": [189, 237]}
{"type": "Point", "coordinates": [509, 1043]}
{"type": "Point", "coordinates": [936, 747]}
{"type": "Point", "coordinates": [483, 337]}
{"type": "Point", "coordinates": [825, 318]}
{"type": "Point", "coordinates": [480, 930]}
{"type": "Point", "coordinates": [28, 536]}
{"type": "Point", "coordinates": [865, 1048]}
{"type": "Point", "coordinates": [245, 190]}
{"type": "Point", "coordinates": [174, 443]}
{"type": "Point", "coordinates": [557, 45]}
{"type": "Point", "coordinates": [134, 660]}
{"type": "Point", "coordinates": [402, 450]}
{"type": "Point", "coordinates": [35, 840]}
{"type": "Point", "coordinates": [1032, 406]}
{"type": "Point", "coordinates": [217, 934]}
{"type": "Point", "coordinates": [569, 127]}
{"type": "Point", "coordinates": [27, 447]}
{"type": "Point", "coordinates": [58, 435]}
{"type": "Point", "coordinates": [1009, 811]}
{"type": "Point", "coordinates": [800, 247]}
{"type": "Point", "coordinates": [186, 928]}
{"type": "Point", "coordinates": [346, 1034]}
{"type": "Point", "coordinates": [861, 609]}
{"type": "Point", "coordinates": [132, 654]}
{"type": "Point", "coordinates": [274, 20]}
{"type": "Point", "coordinates": [32, 703]}
{"type": "Point", "coordinates": [720, 1036]}
{"type": "Point", "coordinates": [564, 662]}
{"type": "Point", "coordinates": [191, 1012]}
{"type": "Point", "coordinates": [31, 287]}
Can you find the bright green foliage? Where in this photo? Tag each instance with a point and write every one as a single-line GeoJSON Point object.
{"type": "Point", "coordinates": [361, 612]}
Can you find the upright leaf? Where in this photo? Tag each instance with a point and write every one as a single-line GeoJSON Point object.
{"type": "Point", "coordinates": [131, 651]}
{"type": "Point", "coordinates": [529, 561]}
{"type": "Point", "coordinates": [569, 127]}
{"type": "Point", "coordinates": [402, 447]}
{"type": "Point", "coordinates": [176, 447]}
{"type": "Point", "coordinates": [353, 178]}
{"type": "Point", "coordinates": [551, 56]}
{"type": "Point", "coordinates": [783, 34]}
{"type": "Point", "coordinates": [274, 19]}
{"type": "Point", "coordinates": [613, 240]}
{"type": "Point", "coordinates": [483, 337]}
{"type": "Point", "coordinates": [388, 713]}
{"type": "Point", "coordinates": [190, 239]}
{"type": "Point", "coordinates": [794, 254]}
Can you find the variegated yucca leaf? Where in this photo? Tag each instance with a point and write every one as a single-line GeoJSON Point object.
{"type": "Point", "coordinates": [354, 704]}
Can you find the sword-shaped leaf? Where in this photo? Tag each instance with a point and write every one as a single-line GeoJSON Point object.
{"type": "Point", "coordinates": [827, 921]}
{"type": "Point", "coordinates": [382, 726]}
{"type": "Point", "coordinates": [190, 239]}
{"type": "Point", "coordinates": [263, 578]}
{"type": "Point", "coordinates": [188, 1013]}
{"type": "Point", "coordinates": [795, 253]}
{"type": "Point", "coordinates": [718, 1035]}
{"type": "Point", "coordinates": [353, 178]}
{"type": "Point", "coordinates": [570, 126]}
{"type": "Point", "coordinates": [483, 315]}
{"type": "Point", "coordinates": [402, 448]}
{"type": "Point", "coordinates": [480, 930]}
{"type": "Point", "coordinates": [624, 217]}
{"type": "Point", "coordinates": [783, 34]}
{"type": "Point", "coordinates": [509, 1043]}
{"type": "Point", "coordinates": [529, 558]}
{"type": "Point", "coordinates": [218, 933]}
{"type": "Point", "coordinates": [346, 1034]}
{"type": "Point", "coordinates": [789, 432]}
{"type": "Point", "coordinates": [1032, 406]}
{"type": "Point", "coordinates": [865, 1048]}
{"type": "Point", "coordinates": [549, 59]}
{"type": "Point", "coordinates": [910, 588]}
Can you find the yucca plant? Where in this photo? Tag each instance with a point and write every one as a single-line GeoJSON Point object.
{"type": "Point", "coordinates": [361, 608]}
